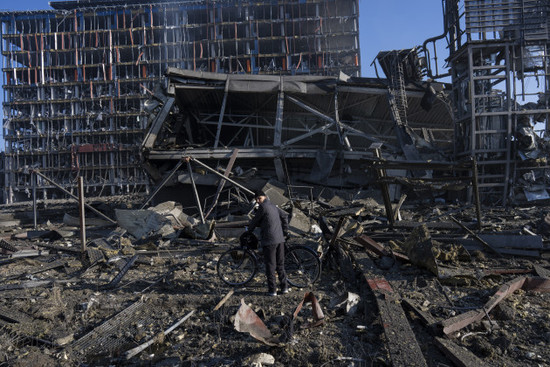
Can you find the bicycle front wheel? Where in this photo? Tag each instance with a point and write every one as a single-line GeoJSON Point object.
{"type": "Point", "coordinates": [237, 266]}
{"type": "Point", "coordinates": [302, 266]}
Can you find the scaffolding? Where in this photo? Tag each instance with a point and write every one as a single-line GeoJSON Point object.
{"type": "Point", "coordinates": [77, 78]}
{"type": "Point", "coordinates": [500, 74]}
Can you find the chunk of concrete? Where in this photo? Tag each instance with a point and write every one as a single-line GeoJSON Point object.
{"type": "Point", "coordinates": [142, 223]}
{"type": "Point", "coordinates": [337, 201]}
{"type": "Point", "coordinates": [275, 191]}
{"type": "Point", "coordinates": [299, 222]}
{"type": "Point", "coordinates": [172, 211]}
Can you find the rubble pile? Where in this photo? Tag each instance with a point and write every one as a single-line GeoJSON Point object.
{"type": "Point", "coordinates": [436, 287]}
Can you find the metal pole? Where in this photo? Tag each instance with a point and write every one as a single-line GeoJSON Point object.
{"type": "Point", "coordinates": [74, 197]}
{"type": "Point", "coordinates": [473, 107]}
{"type": "Point", "coordinates": [222, 182]}
{"type": "Point", "coordinates": [381, 173]}
{"type": "Point", "coordinates": [159, 187]}
{"type": "Point", "coordinates": [479, 239]}
{"type": "Point", "coordinates": [220, 175]}
{"type": "Point", "coordinates": [222, 112]}
{"type": "Point", "coordinates": [476, 191]}
{"type": "Point", "coordinates": [82, 213]}
{"type": "Point", "coordinates": [195, 191]}
{"type": "Point", "coordinates": [344, 141]}
{"type": "Point", "coordinates": [34, 211]}
{"type": "Point", "coordinates": [279, 116]}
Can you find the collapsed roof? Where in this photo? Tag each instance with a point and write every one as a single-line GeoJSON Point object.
{"type": "Point", "coordinates": [290, 116]}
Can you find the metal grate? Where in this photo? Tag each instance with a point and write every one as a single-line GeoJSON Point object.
{"type": "Point", "coordinates": [7, 246]}
{"type": "Point", "coordinates": [104, 339]}
{"type": "Point", "coordinates": [94, 255]}
{"type": "Point", "coordinates": [122, 272]}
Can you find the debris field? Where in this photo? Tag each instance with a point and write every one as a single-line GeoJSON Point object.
{"type": "Point", "coordinates": [436, 288]}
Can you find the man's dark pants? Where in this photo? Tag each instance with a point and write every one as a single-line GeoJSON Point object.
{"type": "Point", "coordinates": [274, 259]}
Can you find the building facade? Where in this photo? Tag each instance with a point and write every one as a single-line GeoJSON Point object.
{"type": "Point", "coordinates": [77, 78]}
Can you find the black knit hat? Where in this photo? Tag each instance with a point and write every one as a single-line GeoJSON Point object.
{"type": "Point", "coordinates": [259, 193]}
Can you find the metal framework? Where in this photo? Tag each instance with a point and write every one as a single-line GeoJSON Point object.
{"type": "Point", "coordinates": [76, 78]}
{"type": "Point", "coordinates": [273, 117]}
{"type": "Point", "coordinates": [500, 74]}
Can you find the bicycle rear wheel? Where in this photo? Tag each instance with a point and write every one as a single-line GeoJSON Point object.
{"type": "Point", "coordinates": [237, 266]}
{"type": "Point", "coordinates": [302, 266]}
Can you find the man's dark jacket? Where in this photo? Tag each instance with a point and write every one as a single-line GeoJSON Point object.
{"type": "Point", "coordinates": [272, 221]}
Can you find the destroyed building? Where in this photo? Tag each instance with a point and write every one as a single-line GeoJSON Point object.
{"type": "Point", "coordinates": [77, 77]}
{"type": "Point", "coordinates": [115, 91]}
{"type": "Point", "coordinates": [498, 61]}
{"type": "Point", "coordinates": [194, 104]}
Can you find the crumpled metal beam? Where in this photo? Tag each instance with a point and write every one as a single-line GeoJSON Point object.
{"type": "Point", "coordinates": [370, 244]}
{"type": "Point", "coordinates": [526, 283]}
{"type": "Point", "coordinates": [122, 273]}
{"type": "Point", "coordinates": [401, 341]}
{"type": "Point", "coordinates": [318, 316]}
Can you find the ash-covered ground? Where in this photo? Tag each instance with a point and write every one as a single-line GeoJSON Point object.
{"type": "Point", "coordinates": [78, 313]}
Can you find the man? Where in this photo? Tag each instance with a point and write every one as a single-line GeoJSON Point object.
{"type": "Point", "coordinates": [273, 223]}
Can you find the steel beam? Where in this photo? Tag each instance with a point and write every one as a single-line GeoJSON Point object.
{"type": "Point", "coordinates": [381, 174]}
{"type": "Point", "coordinates": [307, 135]}
{"type": "Point", "coordinates": [460, 356]}
{"type": "Point", "coordinates": [195, 192]}
{"type": "Point", "coordinates": [461, 321]}
{"type": "Point", "coordinates": [82, 215]}
{"type": "Point", "coordinates": [401, 342]}
{"type": "Point", "coordinates": [159, 119]}
{"type": "Point", "coordinates": [311, 109]}
{"type": "Point", "coordinates": [210, 169]}
{"type": "Point", "coordinates": [34, 205]}
{"type": "Point", "coordinates": [161, 185]}
{"type": "Point", "coordinates": [250, 153]}
{"type": "Point", "coordinates": [222, 182]}
{"type": "Point", "coordinates": [222, 112]}
{"type": "Point", "coordinates": [279, 117]}
{"type": "Point", "coordinates": [74, 197]}
{"type": "Point", "coordinates": [344, 141]}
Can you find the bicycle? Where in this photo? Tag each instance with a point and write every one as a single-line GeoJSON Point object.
{"type": "Point", "coordinates": [238, 266]}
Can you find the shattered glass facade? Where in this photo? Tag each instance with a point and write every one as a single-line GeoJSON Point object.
{"type": "Point", "coordinates": [76, 78]}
